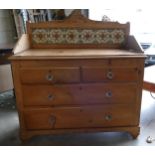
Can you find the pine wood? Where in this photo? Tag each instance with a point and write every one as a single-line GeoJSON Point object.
{"type": "Point", "coordinates": [79, 117]}
{"type": "Point", "coordinates": [61, 90]}
{"type": "Point", "coordinates": [75, 53]}
{"type": "Point", "coordinates": [22, 44]}
{"type": "Point", "coordinates": [78, 21]}
{"type": "Point", "coordinates": [133, 44]}
{"type": "Point", "coordinates": [100, 74]}
{"type": "Point", "coordinates": [75, 94]}
{"type": "Point", "coordinates": [57, 75]}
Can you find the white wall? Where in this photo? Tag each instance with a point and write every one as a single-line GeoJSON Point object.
{"type": "Point", "coordinates": [7, 29]}
{"type": "Point", "coordinates": [141, 20]}
{"type": "Point", "coordinates": [6, 82]}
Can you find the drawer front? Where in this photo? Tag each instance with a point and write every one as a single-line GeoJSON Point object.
{"type": "Point", "coordinates": [94, 74]}
{"type": "Point", "coordinates": [106, 62]}
{"type": "Point", "coordinates": [79, 94]}
{"type": "Point", "coordinates": [79, 117]}
{"type": "Point", "coordinates": [50, 75]}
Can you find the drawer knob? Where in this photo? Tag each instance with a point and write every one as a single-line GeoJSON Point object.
{"type": "Point", "coordinates": [108, 94]}
{"type": "Point", "coordinates": [108, 117]}
{"type": "Point", "coordinates": [110, 75]}
{"type": "Point", "coordinates": [50, 97]}
{"type": "Point", "coordinates": [49, 77]}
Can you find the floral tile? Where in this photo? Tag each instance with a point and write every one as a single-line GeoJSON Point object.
{"type": "Point", "coordinates": [77, 36]}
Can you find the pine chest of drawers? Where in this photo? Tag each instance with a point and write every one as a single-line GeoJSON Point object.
{"type": "Point", "coordinates": [77, 90]}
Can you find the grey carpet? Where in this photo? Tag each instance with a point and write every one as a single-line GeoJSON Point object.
{"type": "Point", "coordinates": [7, 100]}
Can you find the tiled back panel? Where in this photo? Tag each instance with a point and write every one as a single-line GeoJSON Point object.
{"type": "Point", "coordinates": [73, 36]}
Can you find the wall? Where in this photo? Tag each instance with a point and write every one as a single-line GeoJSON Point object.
{"type": "Point", "coordinates": [7, 27]}
{"type": "Point", "coordinates": [7, 37]}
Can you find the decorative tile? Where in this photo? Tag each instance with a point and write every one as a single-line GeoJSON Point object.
{"type": "Point", "coordinates": [117, 36]}
{"type": "Point", "coordinates": [87, 36]}
{"type": "Point", "coordinates": [55, 36]}
{"type": "Point", "coordinates": [103, 36]}
{"type": "Point", "coordinates": [78, 36]}
{"type": "Point", "coordinates": [71, 36]}
{"type": "Point", "coordinates": [40, 36]}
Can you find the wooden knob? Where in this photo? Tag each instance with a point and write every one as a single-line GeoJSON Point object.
{"type": "Point", "coordinates": [108, 117]}
{"type": "Point", "coordinates": [49, 77]}
{"type": "Point", "coordinates": [108, 94]}
{"type": "Point", "coordinates": [50, 97]}
{"type": "Point", "coordinates": [110, 75]}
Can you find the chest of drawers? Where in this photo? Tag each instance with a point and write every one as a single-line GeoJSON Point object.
{"type": "Point", "coordinates": [77, 90]}
{"type": "Point", "coordinates": [65, 95]}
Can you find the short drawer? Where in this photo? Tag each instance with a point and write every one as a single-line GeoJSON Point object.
{"type": "Point", "coordinates": [74, 94]}
{"type": "Point", "coordinates": [79, 117]}
{"type": "Point", "coordinates": [47, 75]}
{"type": "Point", "coordinates": [98, 74]}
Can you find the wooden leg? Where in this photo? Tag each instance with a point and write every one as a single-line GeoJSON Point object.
{"type": "Point", "coordinates": [25, 137]}
{"type": "Point", "coordinates": [134, 132]}
{"type": "Point", "coordinates": [14, 93]}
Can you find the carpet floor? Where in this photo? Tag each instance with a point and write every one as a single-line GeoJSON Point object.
{"type": "Point", "coordinates": [7, 100]}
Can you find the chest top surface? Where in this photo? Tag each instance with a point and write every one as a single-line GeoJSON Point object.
{"type": "Point", "coordinates": [77, 36]}
{"type": "Point", "coordinates": [76, 53]}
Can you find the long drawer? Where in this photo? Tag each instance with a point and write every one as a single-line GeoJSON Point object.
{"type": "Point", "coordinates": [49, 75]}
{"type": "Point", "coordinates": [99, 74]}
{"type": "Point", "coordinates": [100, 93]}
{"type": "Point", "coordinates": [79, 117]}
{"type": "Point", "coordinates": [106, 62]}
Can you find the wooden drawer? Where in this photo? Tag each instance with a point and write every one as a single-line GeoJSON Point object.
{"type": "Point", "coordinates": [79, 94]}
{"type": "Point", "coordinates": [79, 117]}
{"type": "Point", "coordinates": [98, 74]}
{"type": "Point", "coordinates": [48, 75]}
{"type": "Point", "coordinates": [106, 62]}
